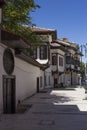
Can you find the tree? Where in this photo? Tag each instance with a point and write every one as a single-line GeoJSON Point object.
{"type": "Point", "coordinates": [82, 70]}
{"type": "Point", "coordinates": [16, 14]}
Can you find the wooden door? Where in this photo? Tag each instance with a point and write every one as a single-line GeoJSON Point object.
{"type": "Point", "coordinates": [37, 84]}
{"type": "Point", "coordinates": [8, 94]}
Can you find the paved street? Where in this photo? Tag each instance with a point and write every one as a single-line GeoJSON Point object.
{"type": "Point", "coordinates": [58, 109]}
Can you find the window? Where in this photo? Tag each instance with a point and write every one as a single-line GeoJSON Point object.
{"type": "Point", "coordinates": [54, 60]}
{"type": "Point", "coordinates": [60, 61]}
{"type": "Point", "coordinates": [35, 52]}
{"type": "Point", "coordinates": [8, 61]}
{"type": "Point", "coordinates": [68, 59]}
{"type": "Point", "coordinates": [43, 52]}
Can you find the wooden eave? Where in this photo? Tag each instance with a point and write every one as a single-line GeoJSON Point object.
{"type": "Point", "coordinates": [42, 31]}
{"type": "Point", "coordinates": [79, 53]}
{"type": "Point", "coordinates": [13, 40]}
{"type": "Point", "coordinates": [58, 47]}
{"type": "Point", "coordinates": [40, 44]}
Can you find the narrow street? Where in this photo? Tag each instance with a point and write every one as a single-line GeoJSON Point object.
{"type": "Point", "coordinates": [58, 109]}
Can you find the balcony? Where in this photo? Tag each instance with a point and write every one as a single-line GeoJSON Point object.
{"type": "Point", "coordinates": [70, 63]}
{"type": "Point", "coordinates": [53, 67]}
{"type": "Point", "coordinates": [77, 65]}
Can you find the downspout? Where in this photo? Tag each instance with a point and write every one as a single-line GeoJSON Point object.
{"type": "Point", "coordinates": [71, 69]}
{"type": "Point", "coordinates": [58, 67]}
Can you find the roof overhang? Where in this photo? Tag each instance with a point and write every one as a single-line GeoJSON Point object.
{"type": "Point", "coordinates": [13, 40]}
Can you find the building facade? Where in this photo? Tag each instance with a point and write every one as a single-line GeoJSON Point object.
{"type": "Point", "coordinates": [72, 62]}
{"type": "Point", "coordinates": [20, 75]}
{"type": "Point", "coordinates": [62, 58]}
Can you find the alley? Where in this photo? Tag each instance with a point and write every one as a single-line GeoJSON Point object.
{"type": "Point", "coordinates": [57, 109]}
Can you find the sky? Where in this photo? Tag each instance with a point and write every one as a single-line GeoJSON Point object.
{"type": "Point", "coordinates": [68, 17]}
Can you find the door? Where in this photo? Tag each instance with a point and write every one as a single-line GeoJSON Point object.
{"type": "Point", "coordinates": [37, 84]}
{"type": "Point", "coordinates": [9, 94]}
{"type": "Point", "coordinates": [55, 82]}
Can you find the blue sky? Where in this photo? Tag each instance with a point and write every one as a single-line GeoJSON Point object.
{"type": "Point", "coordinates": [68, 17]}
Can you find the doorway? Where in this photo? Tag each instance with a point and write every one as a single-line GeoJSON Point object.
{"type": "Point", "coordinates": [37, 84]}
{"type": "Point", "coordinates": [55, 82]}
{"type": "Point", "coordinates": [8, 94]}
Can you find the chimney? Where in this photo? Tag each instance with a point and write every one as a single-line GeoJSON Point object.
{"type": "Point", "coordinates": [65, 40]}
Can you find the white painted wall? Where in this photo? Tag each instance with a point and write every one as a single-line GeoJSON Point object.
{"type": "Point", "coordinates": [60, 54]}
{"type": "Point", "coordinates": [49, 78]}
{"type": "Point", "coordinates": [26, 78]}
{"type": "Point", "coordinates": [61, 68]}
{"type": "Point", "coordinates": [72, 51]}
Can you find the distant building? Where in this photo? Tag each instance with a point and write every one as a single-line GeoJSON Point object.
{"type": "Point", "coordinates": [62, 56]}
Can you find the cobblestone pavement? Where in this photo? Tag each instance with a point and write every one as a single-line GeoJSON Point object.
{"type": "Point", "coordinates": [58, 109]}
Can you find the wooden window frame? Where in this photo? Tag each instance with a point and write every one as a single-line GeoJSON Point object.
{"type": "Point", "coordinates": [61, 61]}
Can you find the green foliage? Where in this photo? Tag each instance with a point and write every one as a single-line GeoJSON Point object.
{"type": "Point", "coordinates": [82, 64]}
{"type": "Point", "coordinates": [28, 51]}
{"type": "Point", "coordinates": [17, 13]}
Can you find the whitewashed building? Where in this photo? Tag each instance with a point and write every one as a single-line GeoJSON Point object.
{"type": "Point", "coordinates": [57, 63]}
{"type": "Point", "coordinates": [72, 62]}
{"type": "Point", "coordinates": [65, 70]}
{"type": "Point", "coordinates": [20, 75]}
{"type": "Point", "coordinates": [41, 51]}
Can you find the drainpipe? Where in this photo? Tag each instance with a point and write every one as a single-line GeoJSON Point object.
{"type": "Point", "coordinates": [57, 68]}
{"type": "Point", "coordinates": [71, 69]}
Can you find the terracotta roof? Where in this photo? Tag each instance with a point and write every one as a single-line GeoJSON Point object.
{"type": "Point", "coordinates": [34, 28]}
{"type": "Point", "coordinates": [55, 45]}
{"type": "Point", "coordinates": [44, 31]}
{"type": "Point", "coordinates": [63, 42]}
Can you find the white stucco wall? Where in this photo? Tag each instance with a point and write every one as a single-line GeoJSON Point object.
{"type": "Point", "coordinates": [26, 78]}
{"type": "Point", "coordinates": [61, 68]}
{"type": "Point", "coordinates": [59, 53]}
{"type": "Point", "coordinates": [49, 78]}
{"type": "Point", "coordinates": [72, 51]}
